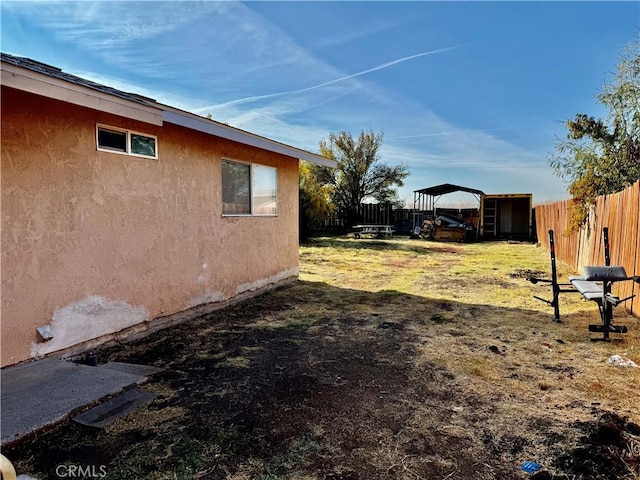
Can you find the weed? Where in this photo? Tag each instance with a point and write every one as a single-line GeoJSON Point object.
{"type": "Point", "coordinates": [234, 362]}
{"type": "Point", "coordinates": [438, 318]}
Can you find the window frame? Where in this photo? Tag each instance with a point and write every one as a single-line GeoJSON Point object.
{"type": "Point", "coordinates": [224, 214]}
{"type": "Point", "coordinates": [252, 167]}
{"type": "Point", "coordinates": [128, 134]}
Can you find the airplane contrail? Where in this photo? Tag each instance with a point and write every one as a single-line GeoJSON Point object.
{"type": "Point", "coordinates": [331, 82]}
{"type": "Point", "coordinates": [446, 133]}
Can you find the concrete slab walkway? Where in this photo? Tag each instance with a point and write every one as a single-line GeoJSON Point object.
{"type": "Point", "coordinates": [39, 394]}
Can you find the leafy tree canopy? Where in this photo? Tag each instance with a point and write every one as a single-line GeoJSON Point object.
{"type": "Point", "coordinates": [360, 173]}
{"type": "Point", "coordinates": [315, 200]}
{"type": "Point", "coordinates": [599, 157]}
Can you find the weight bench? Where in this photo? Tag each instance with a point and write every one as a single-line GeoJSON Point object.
{"type": "Point", "coordinates": [594, 284]}
{"type": "Point", "coordinates": [601, 294]}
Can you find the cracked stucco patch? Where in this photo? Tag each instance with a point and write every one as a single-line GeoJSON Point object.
{"type": "Point", "coordinates": [90, 318]}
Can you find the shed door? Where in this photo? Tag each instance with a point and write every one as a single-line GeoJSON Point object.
{"type": "Point", "coordinates": [505, 217]}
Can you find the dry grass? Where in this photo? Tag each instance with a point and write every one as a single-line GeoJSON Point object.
{"type": "Point", "coordinates": [390, 359]}
{"type": "Point", "coordinates": [487, 303]}
{"type": "Point", "coordinates": [489, 330]}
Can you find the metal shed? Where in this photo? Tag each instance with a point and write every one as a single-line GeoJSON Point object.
{"type": "Point", "coordinates": [506, 215]}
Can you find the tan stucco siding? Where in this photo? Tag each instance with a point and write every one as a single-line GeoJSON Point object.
{"type": "Point", "coordinates": [94, 242]}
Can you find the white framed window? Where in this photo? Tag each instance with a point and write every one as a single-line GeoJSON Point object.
{"type": "Point", "coordinates": [249, 189]}
{"type": "Point", "coordinates": [128, 142]}
{"type": "Point", "coordinates": [236, 188]}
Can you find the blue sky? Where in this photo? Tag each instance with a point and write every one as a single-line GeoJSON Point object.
{"type": "Point", "coordinates": [471, 93]}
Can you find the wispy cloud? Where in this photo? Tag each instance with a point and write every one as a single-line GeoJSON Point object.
{"type": "Point", "coordinates": [189, 54]}
{"type": "Point", "coordinates": [447, 133]}
{"type": "Point", "coordinates": [198, 44]}
{"type": "Point", "coordinates": [330, 82]}
{"type": "Point", "coordinates": [101, 25]}
{"type": "Point", "coordinates": [355, 34]}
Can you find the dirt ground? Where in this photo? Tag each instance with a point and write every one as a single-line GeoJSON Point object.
{"type": "Point", "coordinates": [338, 376]}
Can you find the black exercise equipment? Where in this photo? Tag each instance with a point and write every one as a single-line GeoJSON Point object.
{"type": "Point", "coordinates": [594, 284]}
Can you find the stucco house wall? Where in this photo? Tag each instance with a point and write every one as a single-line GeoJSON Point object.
{"type": "Point", "coordinates": [96, 242]}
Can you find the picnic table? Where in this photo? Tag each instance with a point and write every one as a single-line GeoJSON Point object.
{"type": "Point", "coordinates": [377, 230]}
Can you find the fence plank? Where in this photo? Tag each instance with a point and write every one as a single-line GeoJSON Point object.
{"type": "Point", "coordinates": [620, 213]}
{"type": "Point", "coordinates": [635, 200]}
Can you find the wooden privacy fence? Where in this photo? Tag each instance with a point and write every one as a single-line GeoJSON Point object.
{"type": "Point", "coordinates": [620, 213]}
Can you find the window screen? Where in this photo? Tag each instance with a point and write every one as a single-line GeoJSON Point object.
{"type": "Point", "coordinates": [236, 188]}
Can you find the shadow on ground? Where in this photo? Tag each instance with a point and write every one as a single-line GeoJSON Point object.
{"type": "Point", "coordinates": [422, 247]}
{"type": "Point", "coordinates": [313, 381]}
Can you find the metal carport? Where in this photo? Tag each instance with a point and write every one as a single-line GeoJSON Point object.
{"type": "Point", "coordinates": [425, 199]}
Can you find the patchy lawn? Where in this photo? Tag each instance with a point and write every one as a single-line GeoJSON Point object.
{"type": "Point", "coordinates": [389, 359]}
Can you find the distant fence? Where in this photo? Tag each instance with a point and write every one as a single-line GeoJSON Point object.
{"type": "Point", "coordinates": [401, 218]}
{"type": "Point", "coordinates": [620, 212]}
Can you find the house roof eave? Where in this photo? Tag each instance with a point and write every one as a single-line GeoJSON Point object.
{"type": "Point", "coordinates": [31, 81]}
{"type": "Point", "coordinates": [48, 81]}
{"type": "Point", "coordinates": [211, 127]}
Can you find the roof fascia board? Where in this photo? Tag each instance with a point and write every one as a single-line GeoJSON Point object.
{"type": "Point", "coordinates": [40, 84]}
{"type": "Point", "coordinates": [491, 196]}
{"type": "Point", "coordinates": [211, 127]}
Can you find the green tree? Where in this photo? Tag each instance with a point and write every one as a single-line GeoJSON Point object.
{"type": "Point", "coordinates": [360, 173]}
{"type": "Point", "coordinates": [598, 156]}
{"type": "Point", "coordinates": [315, 200]}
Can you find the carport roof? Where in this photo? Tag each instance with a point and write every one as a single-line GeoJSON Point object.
{"type": "Point", "coordinates": [447, 188]}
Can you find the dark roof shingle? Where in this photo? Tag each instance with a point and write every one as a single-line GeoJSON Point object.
{"type": "Point", "coordinates": [55, 72]}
